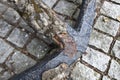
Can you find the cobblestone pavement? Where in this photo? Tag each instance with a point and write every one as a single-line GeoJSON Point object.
{"type": "Point", "coordinates": [21, 47]}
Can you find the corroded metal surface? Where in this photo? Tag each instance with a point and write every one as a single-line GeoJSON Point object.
{"type": "Point", "coordinates": [81, 38]}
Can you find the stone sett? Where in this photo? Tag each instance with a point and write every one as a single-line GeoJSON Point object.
{"type": "Point", "coordinates": [114, 71]}
{"type": "Point", "coordinates": [70, 22]}
{"type": "Point", "coordinates": [96, 59]}
{"type": "Point", "coordinates": [5, 75]}
{"type": "Point", "coordinates": [18, 37]}
{"type": "Point", "coordinates": [24, 25]}
{"type": "Point", "coordinates": [106, 78]}
{"type": "Point", "coordinates": [111, 10]}
{"type": "Point", "coordinates": [65, 8]}
{"type": "Point", "coordinates": [4, 28]}
{"type": "Point", "coordinates": [19, 62]}
{"type": "Point", "coordinates": [100, 40]}
{"type": "Point", "coordinates": [107, 25]}
{"type": "Point", "coordinates": [2, 8]}
{"type": "Point", "coordinates": [37, 48]}
{"type": "Point", "coordinates": [75, 16]}
{"type": "Point", "coordinates": [50, 3]}
{"type": "Point", "coordinates": [11, 16]}
{"type": "Point", "coordinates": [82, 72]}
{"type": "Point", "coordinates": [5, 50]}
{"type": "Point", "coordinates": [98, 3]}
{"type": "Point", "coordinates": [116, 49]}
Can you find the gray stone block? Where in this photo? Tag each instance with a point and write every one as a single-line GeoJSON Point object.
{"type": "Point", "coordinates": [107, 25]}
{"type": "Point", "coordinates": [18, 37]}
{"type": "Point", "coordinates": [114, 71]}
{"type": "Point", "coordinates": [116, 49]}
{"type": "Point", "coordinates": [19, 62]}
{"type": "Point", "coordinates": [5, 75]}
{"type": "Point", "coordinates": [11, 15]}
{"type": "Point", "coordinates": [111, 10]}
{"type": "Point", "coordinates": [4, 28]}
{"type": "Point", "coordinates": [100, 40]}
{"type": "Point", "coordinates": [50, 3]}
{"type": "Point", "coordinates": [96, 59]}
{"type": "Point", "coordinates": [65, 8]}
{"type": "Point", "coordinates": [2, 8]}
{"type": "Point", "coordinates": [82, 72]}
{"type": "Point", "coordinates": [37, 48]}
{"type": "Point", "coordinates": [5, 50]}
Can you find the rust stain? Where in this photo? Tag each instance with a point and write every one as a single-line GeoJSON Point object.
{"type": "Point", "coordinates": [69, 44]}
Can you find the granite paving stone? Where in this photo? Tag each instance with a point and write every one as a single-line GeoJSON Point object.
{"type": "Point", "coordinates": [82, 72]}
{"type": "Point", "coordinates": [5, 50]}
{"type": "Point", "coordinates": [11, 16]}
{"type": "Point", "coordinates": [50, 3]}
{"type": "Point", "coordinates": [114, 71]}
{"type": "Point", "coordinates": [100, 40]}
{"type": "Point", "coordinates": [5, 75]}
{"type": "Point", "coordinates": [65, 8]}
{"type": "Point", "coordinates": [70, 22]}
{"type": "Point", "coordinates": [2, 8]}
{"type": "Point", "coordinates": [96, 59]}
{"type": "Point", "coordinates": [75, 16]}
{"type": "Point", "coordinates": [25, 26]}
{"type": "Point", "coordinates": [18, 37]}
{"type": "Point", "coordinates": [37, 48]}
{"type": "Point", "coordinates": [19, 62]}
{"type": "Point", "coordinates": [68, 11]}
{"type": "Point", "coordinates": [116, 49]}
{"type": "Point", "coordinates": [4, 28]}
{"type": "Point", "coordinates": [107, 25]}
{"type": "Point", "coordinates": [110, 9]}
